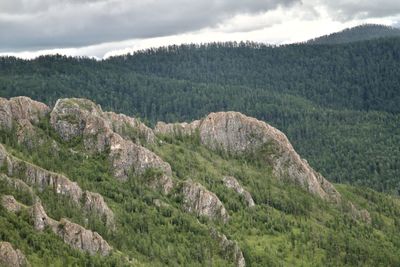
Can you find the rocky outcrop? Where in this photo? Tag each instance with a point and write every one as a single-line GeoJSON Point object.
{"type": "Point", "coordinates": [40, 218]}
{"type": "Point", "coordinates": [80, 238]}
{"type": "Point", "coordinates": [43, 179]}
{"type": "Point", "coordinates": [73, 234]}
{"type": "Point", "coordinates": [21, 113]}
{"type": "Point", "coordinates": [238, 134]}
{"type": "Point", "coordinates": [230, 249]}
{"type": "Point", "coordinates": [177, 129]}
{"type": "Point", "coordinates": [198, 200]}
{"type": "Point", "coordinates": [94, 202]}
{"type": "Point", "coordinates": [129, 128]}
{"type": "Point", "coordinates": [359, 214]}
{"type": "Point", "coordinates": [11, 204]}
{"type": "Point", "coordinates": [21, 108]}
{"type": "Point", "coordinates": [232, 183]}
{"type": "Point", "coordinates": [10, 257]}
{"type": "Point", "coordinates": [111, 133]}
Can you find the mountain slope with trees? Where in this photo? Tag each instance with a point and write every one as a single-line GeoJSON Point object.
{"type": "Point", "coordinates": [337, 103]}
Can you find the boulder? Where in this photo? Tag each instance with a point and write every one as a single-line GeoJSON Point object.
{"type": "Point", "coordinates": [200, 201]}
{"type": "Point", "coordinates": [232, 183]}
{"type": "Point", "coordinates": [10, 257]}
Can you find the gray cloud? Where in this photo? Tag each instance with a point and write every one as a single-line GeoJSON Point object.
{"type": "Point", "coordinates": [345, 10]}
{"type": "Point", "coordinates": [41, 24]}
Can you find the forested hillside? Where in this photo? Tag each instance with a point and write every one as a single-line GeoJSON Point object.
{"type": "Point", "coordinates": [337, 103]}
{"type": "Point", "coordinates": [83, 187]}
{"type": "Point", "coordinates": [358, 33]}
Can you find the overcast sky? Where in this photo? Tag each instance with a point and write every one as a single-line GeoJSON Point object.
{"type": "Point", "coordinates": [100, 28]}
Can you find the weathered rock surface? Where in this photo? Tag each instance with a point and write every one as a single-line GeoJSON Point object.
{"type": "Point", "coordinates": [80, 238]}
{"type": "Point", "coordinates": [40, 218]}
{"type": "Point", "coordinates": [233, 184]}
{"type": "Point", "coordinates": [22, 112]}
{"type": "Point", "coordinates": [73, 234]}
{"type": "Point", "coordinates": [360, 214]}
{"type": "Point", "coordinates": [108, 132]}
{"type": "Point", "coordinates": [238, 134]}
{"type": "Point", "coordinates": [11, 204]}
{"type": "Point", "coordinates": [129, 128]}
{"type": "Point", "coordinates": [10, 257]}
{"type": "Point", "coordinates": [197, 199]}
{"type": "Point", "coordinates": [94, 202]}
{"type": "Point", "coordinates": [177, 129]}
{"type": "Point", "coordinates": [43, 179]}
{"type": "Point", "coordinates": [21, 108]}
{"type": "Point", "coordinates": [230, 249]}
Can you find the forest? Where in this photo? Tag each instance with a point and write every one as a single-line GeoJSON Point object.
{"type": "Point", "coordinates": [337, 103]}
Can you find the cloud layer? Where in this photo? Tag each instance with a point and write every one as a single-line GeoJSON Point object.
{"type": "Point", "coordinates": [96, 27]}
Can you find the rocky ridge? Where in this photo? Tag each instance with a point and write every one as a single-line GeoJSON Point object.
{"type": "Point", "coordinates": [238, 134]}
{"type": "Point", "coordinates": [109, 132]}
{"type": "Point", "coordinates": [229, 248]}
{"type": "Point", "coordinates": [35, 176]}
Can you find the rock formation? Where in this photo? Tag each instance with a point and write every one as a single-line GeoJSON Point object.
{"type": "Point", "coordinates": [80, 238]}
{"type": "Point", "coordinates": [233, 184]}
{"type": "Point", "coordinates": [11, 204]}
{"type": "Point", "coordinates": [238, 134]}
{"type": "Point", "coordinates": [197, 199]}
{"type": "Point", "coordinates": [10, 257]}
{"type": "Point", "coordinates": [73, 234]}
{"type": "Point", "coordinates": [230, 249]}
{"type": "Point", "coordinates": [111, 133]}
{"type": "Point", "coordinates": [43, 179]}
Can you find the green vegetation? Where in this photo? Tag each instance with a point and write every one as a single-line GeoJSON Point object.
{"type": "Point", "coordinates": [338, 104]}
{"type": "Point", "coordinates": [287, 227]}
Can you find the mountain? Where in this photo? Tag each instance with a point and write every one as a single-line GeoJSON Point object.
{"type": "Point", "coordinates": [81, 186]}
{"type": "Point", "coordinates": [338, 104]}
{"type": "Point", "coordinates": [356, 34]}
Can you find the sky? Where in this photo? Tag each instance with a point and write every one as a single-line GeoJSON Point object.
{"type": "Point", "coordinates": [103, 28]}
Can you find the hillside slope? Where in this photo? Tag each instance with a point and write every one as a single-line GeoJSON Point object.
{"type": "Point", "coordinates": [338, 104]}
{"type": "Point", "coordinates": [356, 34]}
{"type": "Point", "coordinates": [80, 186]}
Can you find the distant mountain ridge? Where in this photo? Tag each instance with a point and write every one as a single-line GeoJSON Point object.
{"type": "Point", "coordinates": [359, 33]}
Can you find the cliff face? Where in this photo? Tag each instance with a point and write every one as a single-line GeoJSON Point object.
{"type": "Point", "coordinates": [110, 133]}
{"type": "Point", "coordinates": [197, 199]}
{"type": "Point", "coordinates": [238, 134]}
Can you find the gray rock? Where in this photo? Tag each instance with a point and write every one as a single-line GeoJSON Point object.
{"type": "Point", "coordinates": [11, 204]}
{"type": "Point", "coordinates": [232, 183]}
{"type": "Point", "coordinates": [73, 234]}
{"type": "Point", "coordinates": [238, 134]}
{"type": "Point", "coordinates": [111, 133]}
{"type": "Point", "coordinates": [129, 128]}
{"type": "Point", "coordinates": [177, 129]}
{"type": "Point", "coordinates": [229, 248]}
{"type": "Point", "coordinates": [43, 179]}
{"type": "Point", "coordinates": [80, 238]}
{"type": "Point", "coordinates": [95, 202]}
{"type": "Point", "coordinates": [197, 199]}
{"type": "Point", "coordinates": [10, 257]}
